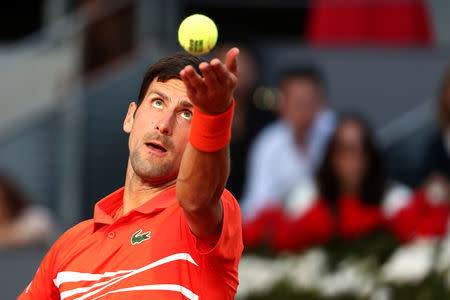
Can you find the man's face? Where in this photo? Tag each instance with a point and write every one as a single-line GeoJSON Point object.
{"type": "Point", "coordinates": [159, 130]}
{"type": "Point", "coordinates": [301, 101]}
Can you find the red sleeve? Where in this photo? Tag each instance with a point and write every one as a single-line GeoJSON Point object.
{"type": "Point", "coordinates": [312, 228]}
{"type": "Point", "coordinates": [220, 262]}
{"type": "Point", "coordinates": [420, 219]}
{"type": "Point", "coordinates": [357, 219]}
{"type": "Point", "coordinates": [42, 286]}
{"type": "Point", "coordinates": [230, 245]}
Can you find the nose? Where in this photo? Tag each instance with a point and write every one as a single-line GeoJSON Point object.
{"type": "Point", "coordinates": [164, 125]}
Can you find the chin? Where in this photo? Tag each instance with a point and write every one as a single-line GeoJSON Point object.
{"type": "Point", "coordinates": [155, 172]}
{"type": "Point", "coordinates": [159, 180]}
{"type": "Point", "coordinates": [153, 168]}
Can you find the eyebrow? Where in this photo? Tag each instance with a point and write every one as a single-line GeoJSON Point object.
{"type": "Point", "coordinates": [186, 104]}
{"type": "Point", "coordinates": [163, 95]}
{"type": "Point", "coordinates": [159, 93]}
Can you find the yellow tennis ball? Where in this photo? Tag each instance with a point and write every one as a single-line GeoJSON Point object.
{"type": "Point", "coordinates": [197, 34]}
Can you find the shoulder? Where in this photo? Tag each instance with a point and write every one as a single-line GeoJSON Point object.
{"type": "Point", "coordinates": [81, 228]}
{"type": "Point", "coordinates": [269, 140]}
{"type": "Point", "coordinates": [232, 211]}
{"type": "Point", "coordinates": [230, 203]}
{"type": "Point", "coordinates": [229, 244]}
{"type": "Point", "coordinates": [62, 247]}
{"type": "Point", "coordinates": [227, 196]}
{"type": "Point", "coordinates": [76, 232]}
{"type": "Point", "coordinates": [326, 120]}
{"type": "Point", "coordinates": [276, 131]}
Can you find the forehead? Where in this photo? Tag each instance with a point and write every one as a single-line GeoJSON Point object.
{"type": "Point", "coordinates": [173, 89]}
{"type": "Point", "coordinates": [350, 130]}
{"type": "Point", "coordinates": [294, 83]}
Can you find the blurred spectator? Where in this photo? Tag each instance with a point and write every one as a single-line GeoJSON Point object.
{"type": "Point", "coordinates": [432, 200]}
{"type": "Point", "coordinates": [352, 198]}
{"type": "Point", "coordinates": [21, 224]}
{"type": "Point", "coordinates": [346, 198]}
{"type": "Point", "coordinates": [248, 120]}
{"type": "Point", "coordinates": [437, 164]}
{"type": "Point", "coordinates": [290, 149]}
{"type": "Point", "coordinates": [369, 23]}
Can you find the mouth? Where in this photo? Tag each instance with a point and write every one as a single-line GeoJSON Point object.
{"type": "Point", "coordinates": [156, 148]}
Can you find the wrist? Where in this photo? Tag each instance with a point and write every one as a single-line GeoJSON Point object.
{"type": "Point", "coordinates": [211, 132]}
{"type": "Point", "coordinates": [213, 111]}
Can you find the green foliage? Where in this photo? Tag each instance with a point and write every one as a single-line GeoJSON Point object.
{"type": "Point", "coordinates": [375, 250]}
{"type": "Point", "coordinates": [379, 246]}
{"type": "Point", "coordinates": [431, 288]}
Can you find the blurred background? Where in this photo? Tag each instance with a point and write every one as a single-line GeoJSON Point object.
{"type": "Point", "coordinates": [340, 148]}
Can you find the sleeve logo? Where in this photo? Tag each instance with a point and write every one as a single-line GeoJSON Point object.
{"type": "Point", "coordinates": [138, 238]}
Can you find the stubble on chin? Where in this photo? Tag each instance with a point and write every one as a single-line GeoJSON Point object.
{"type": "Point", "coordinates": [150, 168]}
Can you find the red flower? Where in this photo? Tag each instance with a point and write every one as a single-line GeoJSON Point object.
{"type": "Point", "coordinates": [357, 219]}
{"type": "Point", "coordinates": [420, 219]}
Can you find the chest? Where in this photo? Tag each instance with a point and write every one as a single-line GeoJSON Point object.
{"type": "Point", "coordinates": [290, 166]}
{"type": "Point", "coordinates": [131, 258]}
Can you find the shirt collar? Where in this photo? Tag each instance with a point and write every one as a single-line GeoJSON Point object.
{"type": "Point", "coordinates": [106, 209]}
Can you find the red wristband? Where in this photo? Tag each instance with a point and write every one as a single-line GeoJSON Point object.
{"type": "Point", "coordinates": [210, 133]}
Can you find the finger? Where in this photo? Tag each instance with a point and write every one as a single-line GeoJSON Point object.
{"type": "Point", "coordinates": [225, 76]}
{"type": "Point", "coordinates": [194, 79]}
{"type": "Point", "coordinates": [184, 77]}
{"type": "Point", "coordinates": [189, 87]}
{"type": "Point", "coordinates": [222, 74]}
{"type": "Point", "coordinates": [208, 74]}
{"type": "Point", "coordinates": [231, 60]}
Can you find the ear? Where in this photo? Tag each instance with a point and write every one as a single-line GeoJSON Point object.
{"type": "Point", "coordinates": [129, 119]}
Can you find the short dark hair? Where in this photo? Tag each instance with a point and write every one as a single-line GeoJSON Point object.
{"type": "Point", "coordinates": [166, 68]}
{"type": "Point", "coordinates": [373, 185]}
{"type": "Point", "coordinates": [310, 72]}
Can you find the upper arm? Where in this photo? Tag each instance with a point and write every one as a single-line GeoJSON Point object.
{"type": "Point", "coordinates": [220, 260]}
{"type": "Point", "coordinates": [228, 244]}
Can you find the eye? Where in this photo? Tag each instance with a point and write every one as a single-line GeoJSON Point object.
{"type": "Point", "coordinates": [157, 103]}
{"type": "Point", "coordinates": [186, 114]}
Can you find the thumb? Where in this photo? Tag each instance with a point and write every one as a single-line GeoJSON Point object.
{"type": "Point", "coordinates": [231, 60]}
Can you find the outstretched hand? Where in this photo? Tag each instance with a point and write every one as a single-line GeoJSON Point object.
{"type": "Point", "coordinates": [212, 93]}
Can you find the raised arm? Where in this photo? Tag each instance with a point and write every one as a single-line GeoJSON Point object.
{"type": "Point", "coordinates": [203, 173]}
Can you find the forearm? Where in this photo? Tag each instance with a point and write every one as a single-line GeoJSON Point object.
{"type": "Point", "coordinates": [205, 165]}
{"type": "Point", "coordinates": [200, 184]}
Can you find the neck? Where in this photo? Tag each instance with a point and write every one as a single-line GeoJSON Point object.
{"type": "Point", "coordinates": [349, 189]}
{"type": "Point", "coordinates": [300, 139]}
{"type": "Point", "coordinates": [138, 191]}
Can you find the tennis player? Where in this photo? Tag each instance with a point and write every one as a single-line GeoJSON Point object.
{"type": "Point", "coordinates": [173, 231]}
